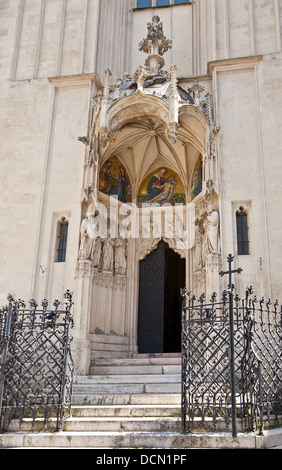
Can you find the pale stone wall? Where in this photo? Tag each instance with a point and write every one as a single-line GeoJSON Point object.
{"type": "Point", "coordinates": [233, 47]}
{"type": "Point", "coordinates": [43, 38]}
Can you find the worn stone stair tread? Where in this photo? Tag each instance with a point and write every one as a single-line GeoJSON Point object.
{"type": "Point", "coordinates": [97, 399]}
{"type": "Point", "coordinates": [162, 369]}
{"type": "Point", "coordinates": [105, 424]}
{"type": "Point", "coordinates": [127, 379]}
{"type": "Point", "coordinates": [125, 410]}
{"type": "Point", "coordinates": [112, 389]}
{"type": "Point", "coordinates": [138, 361]}
{"type": "Point", "coordinates": [125, 439]}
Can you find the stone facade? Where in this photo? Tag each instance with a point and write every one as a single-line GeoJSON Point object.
{"type": "Point", "coordinates": [81, 83]}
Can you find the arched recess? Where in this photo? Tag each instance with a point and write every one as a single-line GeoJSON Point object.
{"type": "Point", "coordinates": [114, 179]}
{"type": "Point", "coordinates": [139, 139]}
{"type": "Point", "coordinates": [139, 125]}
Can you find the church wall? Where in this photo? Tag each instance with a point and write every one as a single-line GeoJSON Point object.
{"type": "Point", "coordinates": [41, 119]}
{"type": "Point", "coordinates": [8, 21]}
{"type": "Point", "coordinates": [240, 169]}
{"type": "Point", "coordinates": [63, 182]}
{"type": "Point", "coordinates": [270, 102]}
{"type": "Point", "coordinates": [44, 38]}
{"type": "Point", "coordinates": [23, 142]}
{"type": "Point", "coordinates": [250, 166]}
{"type": "Point", "coordinates": [41, 181]}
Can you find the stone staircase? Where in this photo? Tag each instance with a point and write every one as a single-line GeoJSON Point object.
{"type": "Point", "coordinates": [124, 404]}
{"type": "Point", "coordinates": [146, 379]}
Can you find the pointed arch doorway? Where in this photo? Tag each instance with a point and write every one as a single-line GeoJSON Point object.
{"type": "Point", "coordinates": [161, 275]}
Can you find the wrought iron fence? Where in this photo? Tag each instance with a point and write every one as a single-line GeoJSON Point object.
{"type": "Point", "coordinates": [36, 366]}
{"type": "Point", "coordinates": [231, 361]}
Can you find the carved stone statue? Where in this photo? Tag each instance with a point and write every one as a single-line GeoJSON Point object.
{"type": "Point", "coordinates": [120, 256]}
{"type": "Point", "coordinates": [108, 255]}
{"type": "Point", "coordinates": [212, 230]}
{"type": "Point", "coordinates": [198, 250]}
{"type": "Point", "coordinates": [97, 252]}
{"type": "Point", "coordinates": [87, 232]}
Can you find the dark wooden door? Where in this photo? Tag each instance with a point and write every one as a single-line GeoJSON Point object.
{"type": "Point", "coordinates": [151, 302]}
{"type": "Point", "coordinates": [162, 274]}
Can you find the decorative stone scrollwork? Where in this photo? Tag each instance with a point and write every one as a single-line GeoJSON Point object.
{"type": "Point", "coordinates": [84, 269]}
{"type": "Point", "coordinates": [147, 245]}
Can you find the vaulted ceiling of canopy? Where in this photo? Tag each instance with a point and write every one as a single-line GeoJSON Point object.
{"type": "Point", "coordinates": [142, 144]}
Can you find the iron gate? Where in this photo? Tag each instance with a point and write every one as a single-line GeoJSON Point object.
{"type": "Point", "coordinates": [231, 369]}
{"type": "Point", "coordinates": [36, 366]}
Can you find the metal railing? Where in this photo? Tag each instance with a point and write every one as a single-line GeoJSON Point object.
{"type": "Point", "coordinates": [231, 361]}
{"type": "Point", "coordinates": [36, 366]}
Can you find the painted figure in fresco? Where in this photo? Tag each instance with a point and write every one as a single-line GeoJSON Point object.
{"type": "Point", "coordinates": [107, 178]}
{"type": "Point", "coordinates": [120, 189]}
{"type": "Point", "coordinates": [167, 190]}
{"type": "Point", "coordinates": [163, 189]}
{"type": "Point", "coordinates": [197, 179]}
{"type": "Point", "coordinates": [155, 184]}
{"type": "Point", "coordinates": [159, 188]}
{"type": "Point", "coordinates": [113, 180]}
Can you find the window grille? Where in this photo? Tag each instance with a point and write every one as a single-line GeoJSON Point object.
{"type": "Point", "coordinates": [242, 232]}
{"type": "Point", "coordinates": [63, 237]}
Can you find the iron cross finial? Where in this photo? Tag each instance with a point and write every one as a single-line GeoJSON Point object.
{"type": "Point", "coordinates": [230, 271]}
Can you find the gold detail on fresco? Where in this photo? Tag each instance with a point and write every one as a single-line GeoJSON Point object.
{"type": "Point", "coordinates": [197, 179]}
{"type": "Point", "coordinates": [162, 187]}
{"type": "Point", "coordinates": [114, 180]}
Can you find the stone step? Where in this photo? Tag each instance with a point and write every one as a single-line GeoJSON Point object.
{"type": "Point", "coordinates": [126, 399]}
{"type": "Point", "coordinates": [143, 369]}
{"type": "Point", "coordinates": [126, 388]}
{"type": "Point", "coordinates": [125, 411]}
{"type": "Point", "coordinates": [142, 359]}
{"type": "Point", "coordinates": [162, 356]}
{"type": "Point", "coordinates": [138, 440]}
{"type": "Point", "coordinates": [137, 378]}
{"type": "Point", "coordinates": [102, 424]}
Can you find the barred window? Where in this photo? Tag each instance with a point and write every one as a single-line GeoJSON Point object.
{"type": "Point", "coordinates": [242, 232]}
{"type": "Point", "coordinates": [159, 3]}
{"type": "Point", "coordinates": [62, 240]}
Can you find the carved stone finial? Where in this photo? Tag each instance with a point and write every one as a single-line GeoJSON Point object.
{"type": "Point", "coordinates": [107, 80]}
{"type": "Point", "coordinates": [140, 76]}
{"type": "Point", "coordinates": [196, 89]}
{"type": "Point", "coordinates": [173, 79]}
{"type": "Point", "coordinates": [155, 44]}
{"type": "Point", "coordinates": [105, 132]}
{"type": "Point", "coordinates": [173, 99]}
